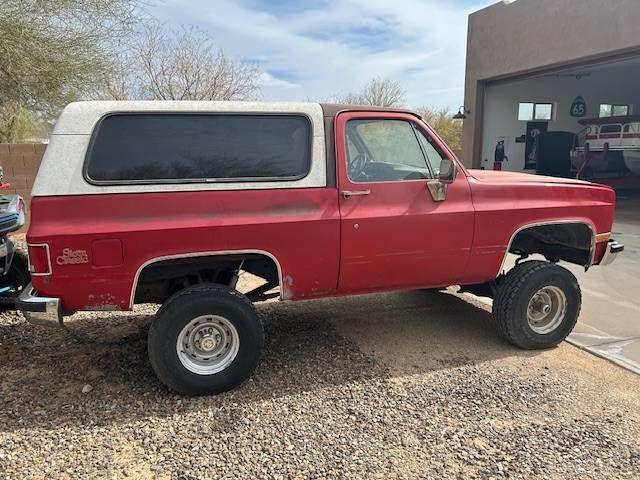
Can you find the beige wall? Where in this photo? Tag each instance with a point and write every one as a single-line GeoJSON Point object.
{"type": "Point", "coordinates": [509, 40]}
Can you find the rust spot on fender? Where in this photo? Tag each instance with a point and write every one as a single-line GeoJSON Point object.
{"type": "Point", "coordinates": [286, 288]}
{"type": "Point", "coordinates": [104, 302]}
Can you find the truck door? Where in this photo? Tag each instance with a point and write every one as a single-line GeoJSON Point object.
{"type": "Point", "coordinates": [394, 235]}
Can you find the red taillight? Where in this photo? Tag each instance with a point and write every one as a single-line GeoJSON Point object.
{"type": "Point", "coordinates": [39, 263]}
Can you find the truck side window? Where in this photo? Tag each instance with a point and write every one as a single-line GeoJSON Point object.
{"type": "Point", "coordinates": [380, 150]}
{"type": "Point", "coordinates": [351, 147]}
{"type": "Point", "coordinates": [197, 147]}
{"type": "Point", "coordinates": [433, 156]}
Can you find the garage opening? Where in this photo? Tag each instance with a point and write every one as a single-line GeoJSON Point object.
{"type": "Point", "coordinates": [575, 123]}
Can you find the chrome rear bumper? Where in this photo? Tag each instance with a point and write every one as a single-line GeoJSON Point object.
{"type": "Point", "coordinates": [612, 251]}
{"type": "Point", "coordinates": [39, 310]}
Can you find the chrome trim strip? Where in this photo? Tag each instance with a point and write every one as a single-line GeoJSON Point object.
{"type": "Point", "coordinates": [46, 246]}
{"type": "Point", "coordinates": [592, 250]}
{"type": "Point", "coordinates": [204, 254]}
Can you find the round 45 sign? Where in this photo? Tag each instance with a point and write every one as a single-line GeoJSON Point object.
{"type": "Point", "coordinates": [579, 107]}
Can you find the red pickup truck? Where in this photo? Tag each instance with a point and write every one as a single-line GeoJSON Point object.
{"type": "Point", "coordinates": [168, 202]}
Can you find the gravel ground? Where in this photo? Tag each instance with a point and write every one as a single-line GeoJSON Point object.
{"type": "Point", "coordinates": [399, 385]}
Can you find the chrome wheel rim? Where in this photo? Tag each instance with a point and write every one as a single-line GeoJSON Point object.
{"type": "Point", "coordinates": [207, 344]}
{"type": "Point", "coordinates": [546, 309]}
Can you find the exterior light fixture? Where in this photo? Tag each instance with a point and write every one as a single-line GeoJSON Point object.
{"type": "Point", "coordinates": [462, 113]}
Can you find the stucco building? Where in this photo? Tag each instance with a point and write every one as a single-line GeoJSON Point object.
{"type": "Point", "coordinates": [536, 66]}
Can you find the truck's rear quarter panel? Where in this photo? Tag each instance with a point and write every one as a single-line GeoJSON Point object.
{"type": "Point", "coordinates": [110, 231]}
{"type": "Point", "coordinates": [299, 227]}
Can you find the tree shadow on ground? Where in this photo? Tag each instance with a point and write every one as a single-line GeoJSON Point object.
{"type": "Point", "coordinates": [309, 346]}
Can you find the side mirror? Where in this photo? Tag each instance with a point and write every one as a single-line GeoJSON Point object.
{"type": "Point", "coordinates": [447, 174]}
{"type": "Point", "coordinates": [448, 171]}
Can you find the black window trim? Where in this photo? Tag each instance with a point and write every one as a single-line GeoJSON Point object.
{"type": "Point", "coordinates": [204, 181]}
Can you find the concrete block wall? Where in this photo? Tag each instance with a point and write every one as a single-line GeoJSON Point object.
{"type": "Point", "coordinates": [20, 162]}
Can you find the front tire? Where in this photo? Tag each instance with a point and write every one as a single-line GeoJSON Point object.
{"type": "Point", "coordinates": [537, 305]}
{"type": "Point", "coordinates": [205, 339]}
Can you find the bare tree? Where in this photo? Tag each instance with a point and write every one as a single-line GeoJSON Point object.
{"type": "Point", "coordinates": [180, 64]}
{"type": "Point", "coordinates": [381, 92]}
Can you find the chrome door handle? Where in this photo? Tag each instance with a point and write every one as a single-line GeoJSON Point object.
{"type": "Point", "coordinates": [356, 193]}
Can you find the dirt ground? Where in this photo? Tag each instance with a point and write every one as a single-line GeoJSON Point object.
{"type": "Point", "coordinates": [400, 385]}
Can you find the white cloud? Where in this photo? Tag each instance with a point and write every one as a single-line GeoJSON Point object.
{"type": "Point", "coordinates": [271, 81]}
{"type": "Point", "coordinates": [336, 48]}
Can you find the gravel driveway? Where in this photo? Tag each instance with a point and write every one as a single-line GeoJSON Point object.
{"type": "Point", "coordinates": [399, 385]}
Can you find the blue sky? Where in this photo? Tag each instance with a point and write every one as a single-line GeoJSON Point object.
{"type": "Point", "coordinates": [313, 50]}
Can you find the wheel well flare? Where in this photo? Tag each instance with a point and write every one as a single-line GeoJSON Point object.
{"type": "Point", "coordinates": [159, 278]}
{"type": "Point", "coordinates": [573, 242]}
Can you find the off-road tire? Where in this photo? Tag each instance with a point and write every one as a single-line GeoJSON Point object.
{"type": "Point", "coordinates": [177, 312]}
{"type": "Point", "coordinates": [513, 296]}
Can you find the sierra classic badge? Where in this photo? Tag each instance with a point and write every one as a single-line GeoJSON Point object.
{"type": "Point", "coordinates": [72, 257]}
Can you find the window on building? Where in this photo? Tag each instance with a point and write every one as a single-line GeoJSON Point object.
{"type": "Point", "coordinates": [525, 111]}
{"type": "Point", "coordinates": [177, 148]}
{"type": "Point", "coordinates": [614, 110]}
{"type": "Point", "coordinates": [543, 111]}
{"type": "Point", "coordinates": [528, 111]}
{"type": "Point", "coordinates": [620, 110]}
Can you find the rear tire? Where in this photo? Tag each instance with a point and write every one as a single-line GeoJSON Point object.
{"type": "Point", "coordinates": [537, 305]}
{"type": "Point", "coordinates": [205, 339]}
